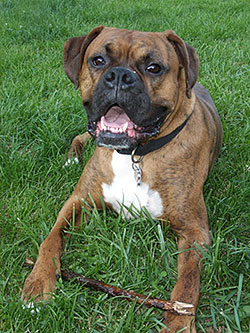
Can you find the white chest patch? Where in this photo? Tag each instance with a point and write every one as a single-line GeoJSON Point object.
{"type": "Point", "coordinates": [124, 190]}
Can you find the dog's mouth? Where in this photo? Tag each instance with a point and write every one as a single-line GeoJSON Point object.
{"type": "Point", "coordinates": [117, 131]}
{"type": "Point", "coordinates": [116, 121]}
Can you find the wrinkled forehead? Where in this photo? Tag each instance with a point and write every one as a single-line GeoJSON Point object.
{"type": "Point", "coordinates": [126, 44]}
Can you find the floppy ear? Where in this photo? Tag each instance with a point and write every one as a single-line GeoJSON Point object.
{"type": "Point", "coordinates": [188, 58]}
{"type": "Point", "coordinates": [73, 54]}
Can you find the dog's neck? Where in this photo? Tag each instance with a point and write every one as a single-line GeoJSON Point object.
{"type": "Point", "coordinates": [156, 144]}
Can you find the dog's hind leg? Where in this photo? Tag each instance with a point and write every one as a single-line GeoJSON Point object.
{"type": "Point", "coordinates": [77, 146]}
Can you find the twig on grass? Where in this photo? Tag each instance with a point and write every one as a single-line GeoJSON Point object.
{"type": "Point", "coordinates": [175, 307]}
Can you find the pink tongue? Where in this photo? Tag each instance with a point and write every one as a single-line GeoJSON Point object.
{"type": "Point", "coordinates": [116, 117]}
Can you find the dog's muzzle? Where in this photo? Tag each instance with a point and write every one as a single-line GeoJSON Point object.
{"type": "Point", "coordinates": [120, 115]}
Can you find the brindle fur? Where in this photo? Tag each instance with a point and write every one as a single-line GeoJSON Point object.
{"type": "Point", "coordinates": [182, 165]}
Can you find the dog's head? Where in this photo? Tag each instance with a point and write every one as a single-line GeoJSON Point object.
{"type": "Point", "coordinates": [130, 81]}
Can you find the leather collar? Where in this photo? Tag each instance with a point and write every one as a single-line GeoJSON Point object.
{"type": "Point", "coordinates": [153, 145]}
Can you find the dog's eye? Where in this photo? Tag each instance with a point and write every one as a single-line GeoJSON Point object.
{"type": "Point", "coordinates": [154, 69]}
{"type": "Point", "coordinates": [98, 61]}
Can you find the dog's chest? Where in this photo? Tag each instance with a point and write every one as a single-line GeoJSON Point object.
{"type": "Point", "coordinates": [123, 191]}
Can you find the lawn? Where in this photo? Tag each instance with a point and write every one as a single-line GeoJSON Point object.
{"type": "Point", "coordinates": [40, 113]}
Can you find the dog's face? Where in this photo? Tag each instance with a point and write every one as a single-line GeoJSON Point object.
{"type": "Point", "coordinates": [129, 80]}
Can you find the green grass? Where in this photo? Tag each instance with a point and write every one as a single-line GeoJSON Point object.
{"type": "Point", "coordinates": [40, 113]}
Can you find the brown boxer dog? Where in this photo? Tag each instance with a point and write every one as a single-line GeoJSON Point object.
{"type": "Point", "coordinates": [158, 135]}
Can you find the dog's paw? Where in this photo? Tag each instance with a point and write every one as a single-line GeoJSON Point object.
{"type": "Point", "coordinates": [178, 323]}
{"type": "Point", "coordinates": [70, 161]}
{"type": "Point", "coordinates": [38, 286]}
{"type": "Point", "coordinates": [32, 307]}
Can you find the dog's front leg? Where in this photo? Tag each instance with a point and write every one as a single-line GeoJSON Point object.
{"type": "Point", "coordinates": [187, 287]}
{"type": "Point", "coordinates": [41, 282]}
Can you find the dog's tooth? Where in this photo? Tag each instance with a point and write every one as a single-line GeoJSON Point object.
{"type": "Point", "coordinates": [125, 126]}
{"type": "Point", "coordinates": [103, 127]}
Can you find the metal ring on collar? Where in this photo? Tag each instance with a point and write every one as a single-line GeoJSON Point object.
{"type": "Point", "coordinates": [133, 156]}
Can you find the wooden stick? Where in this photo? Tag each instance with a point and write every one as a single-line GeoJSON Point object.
{"type": "Point", "coordinates": [175, 307]}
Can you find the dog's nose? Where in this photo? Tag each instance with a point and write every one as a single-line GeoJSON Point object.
{"type": "Point", "coordinates": [120, 77]}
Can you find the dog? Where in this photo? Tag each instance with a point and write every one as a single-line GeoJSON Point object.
{"type": "Point", "coordinates": [157, 133]}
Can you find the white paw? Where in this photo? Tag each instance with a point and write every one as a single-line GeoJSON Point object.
{"type": "Point", "coordinates": [32, 307]}
{"type": "Point", "coordinates": [71, 161]}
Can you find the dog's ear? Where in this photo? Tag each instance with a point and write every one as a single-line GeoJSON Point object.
{"type": "Point", "coordinates": [73, 54]}
{"type": "Point", "coordinates": [188, 58]}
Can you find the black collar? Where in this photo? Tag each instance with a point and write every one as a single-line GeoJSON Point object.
{"type": "Point", "coordinates": [156, 144]}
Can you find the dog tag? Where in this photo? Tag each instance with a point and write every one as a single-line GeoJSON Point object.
{"type": "Point", "coordinates": [138, 173]}
{"type": "Point", "coordinates": [136, 168]}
